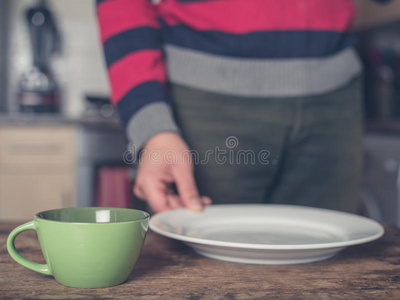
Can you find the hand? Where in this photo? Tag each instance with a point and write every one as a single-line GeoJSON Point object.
{"type": "Point", "coordinates": [163, 163]}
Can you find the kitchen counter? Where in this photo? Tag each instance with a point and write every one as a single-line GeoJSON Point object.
{"type": "Point", "coordinates": [168, 269]}
{"type": "Point", "coordinates": [24, 119]}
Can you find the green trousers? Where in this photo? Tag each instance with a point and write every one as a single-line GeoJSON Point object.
{"type": "Point", "coordinates": [293, 150]}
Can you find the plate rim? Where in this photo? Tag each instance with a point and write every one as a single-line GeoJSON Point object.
{"type": "Point", "coordinates": [248, 246]}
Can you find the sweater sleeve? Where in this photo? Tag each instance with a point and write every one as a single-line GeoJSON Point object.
{"type": "Point", "coordinates": [132, 44]}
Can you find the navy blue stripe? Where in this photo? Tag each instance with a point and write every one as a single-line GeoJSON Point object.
{"type": "Point", "coordinates": [129, 41]}
{"type": "Point", "coordinates": [140, 96]}
{"type": "Point", "coordinates": [100, 1]}
{"type": "Point", "coordinates": [271, 44]}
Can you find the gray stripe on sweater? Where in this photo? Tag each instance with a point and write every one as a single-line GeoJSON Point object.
{"type": "Point", "coordinates": [260, 77]}
{"type": "Point", "coordinates": [147, 122]}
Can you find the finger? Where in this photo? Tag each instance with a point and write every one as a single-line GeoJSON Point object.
{"type": "Point", "coordinates": [187, 188]}
{"type": "Point", "coordinates": [206, 200]}
{"type": "Point", "coordinates": [156, 195]}
{"type": "Point", "coordinates": [137, 191]}
{"type": "Point", "coordinates": [174, 201]}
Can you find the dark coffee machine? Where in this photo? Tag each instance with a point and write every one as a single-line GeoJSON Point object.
{"type": "Point", "coordinates": [38, 90]}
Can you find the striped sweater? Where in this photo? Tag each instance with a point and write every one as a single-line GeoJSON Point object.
{"type": "Point", "coordinates": [256, 48]}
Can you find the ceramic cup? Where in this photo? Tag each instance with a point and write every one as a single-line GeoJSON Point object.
{"type": "Point", "coordinates": [86, 247]}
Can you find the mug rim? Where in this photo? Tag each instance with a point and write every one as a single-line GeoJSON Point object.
{"type": "Point", "coordinates": [94, 208]}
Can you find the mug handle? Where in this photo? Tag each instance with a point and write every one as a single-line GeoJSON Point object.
{"type": "Point", "coordinates": [41, 268]}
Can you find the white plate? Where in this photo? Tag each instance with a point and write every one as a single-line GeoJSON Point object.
{"type": "Point", "coordinates": [266, 233]}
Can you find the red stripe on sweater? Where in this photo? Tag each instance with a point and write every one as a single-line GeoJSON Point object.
{"type": "Point", "coordinates": [134, 69]}
{"type": "Point", "coordinates": [121, 15]}
{"type": "Point", "coordinates": [244, 16]}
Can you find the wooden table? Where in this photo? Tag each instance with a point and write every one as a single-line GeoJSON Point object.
{"type": "Point", "coordinates": [168, 269]}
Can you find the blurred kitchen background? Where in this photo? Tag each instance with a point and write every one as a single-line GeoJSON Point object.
{"type": "Point", "coordinates": [60, 140]}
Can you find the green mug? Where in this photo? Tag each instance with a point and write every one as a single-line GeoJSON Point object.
{"type": "Point", "coordinates": [86, 247]}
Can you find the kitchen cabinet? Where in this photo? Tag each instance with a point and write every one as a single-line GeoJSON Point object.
{"type": "Point", "coordinates": [24, 195]}
{"type": "Point", "coordinates": [51, 162]}
{"type": "Point", "coordinates": [37, 169]}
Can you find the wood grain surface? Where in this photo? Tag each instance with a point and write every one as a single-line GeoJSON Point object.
{"type": "Point", "coordinates": [168, 269]}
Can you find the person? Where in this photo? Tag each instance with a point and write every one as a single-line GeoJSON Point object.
{"type": "Point", "coordinates": [265, 93]}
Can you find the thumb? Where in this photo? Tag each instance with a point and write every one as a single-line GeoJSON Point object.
{"type": "Point", "coordinates": [187, 189]}
{"type": "Point", "coordinates": [156, 196]}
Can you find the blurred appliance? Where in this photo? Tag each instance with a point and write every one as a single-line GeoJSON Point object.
{"type": "Point", "coordinates": [103, 177]}
{"type": "Point", "coordinates": [38, 91]}
{"type": "Point", "coordinates": [4, 48]}
{"type": "Point", "coordinates": [379, 49]}
{"type": "Point", "coordinates": [114, 187]}
{"type": "Point", "coordinates": [380, 185]}
{"type": "Point", "coordinates": [99, 106]}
